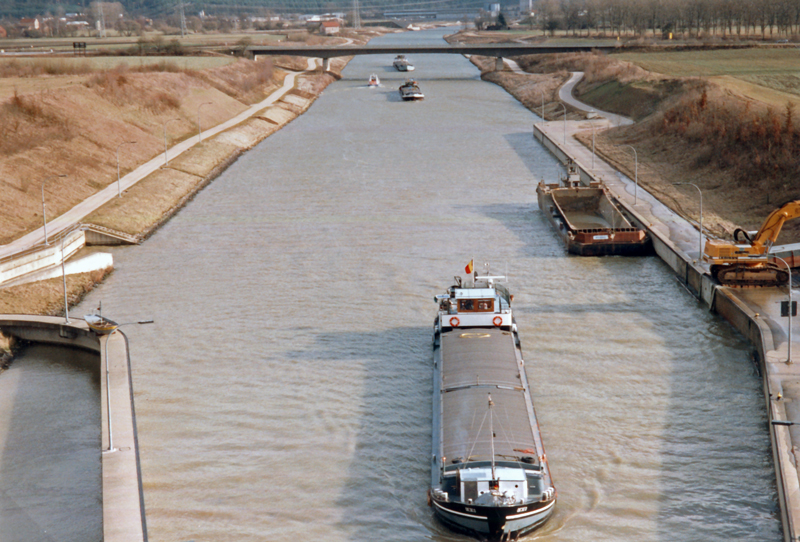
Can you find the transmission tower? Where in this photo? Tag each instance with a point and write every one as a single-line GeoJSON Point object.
{"type": "Point", "coordinates": [356, 15]}
{"type": "Point", "coordinates": [102, 21]}
{"type": "Point", "coordinates": [183, 20]}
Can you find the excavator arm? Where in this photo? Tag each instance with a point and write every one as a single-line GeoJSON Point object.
{"type": "Point", "coordinates": [750, 265]}
{"type": "Point", "coordinates": [771, 227]}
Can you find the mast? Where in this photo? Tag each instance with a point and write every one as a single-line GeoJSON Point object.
{"type": "Point", "coordinates": [491, 434]}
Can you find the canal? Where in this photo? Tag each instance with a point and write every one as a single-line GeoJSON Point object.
{"type": "Point", "coordinates": [285, 392]}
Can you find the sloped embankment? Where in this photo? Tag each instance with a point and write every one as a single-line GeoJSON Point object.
{"type": "Point", "coordinates": [740, 152]}
{"type": "Point", "coordinates": [77, 128]}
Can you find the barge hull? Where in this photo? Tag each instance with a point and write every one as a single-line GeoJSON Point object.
{"type": "Point", "coordinates": [599, 241]}
{"type": "Point", "coordinates": [477, 361]}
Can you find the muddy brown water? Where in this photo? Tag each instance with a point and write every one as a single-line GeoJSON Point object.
{"type": "Point", "coordinates": [285, 391]}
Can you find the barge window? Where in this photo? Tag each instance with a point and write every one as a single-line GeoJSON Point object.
{"type": "Point", "coordinates": [476, 305]}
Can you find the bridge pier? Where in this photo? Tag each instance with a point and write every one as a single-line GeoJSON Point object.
{"type": "Point", "coordinates": [326, 64]}
{"type": "Point", "coordinates": [498, 64]}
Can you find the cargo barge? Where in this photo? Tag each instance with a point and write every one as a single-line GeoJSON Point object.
{"type": "Point", "coordinates": [589, 221]}
{"type": "Point", "coordinates": [490, 475]}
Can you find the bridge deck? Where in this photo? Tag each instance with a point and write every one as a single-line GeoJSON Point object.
{"type": "Point", "coordinates": [495, 50]}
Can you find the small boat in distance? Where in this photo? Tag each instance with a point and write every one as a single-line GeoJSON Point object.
{"type": "Point", "coordinates": [402, 64]}
{"type": "Point", "coordinates": [409, 91]}
{"type": "Point", "coordinates": [490, 475]}
{"type": "Point", "coordinates": [100, 324]}
{"type": "Point", "coordinates": [374, 81]}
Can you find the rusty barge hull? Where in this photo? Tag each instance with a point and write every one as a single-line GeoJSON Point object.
{"type": "Point", "coordinates": [589, 222]}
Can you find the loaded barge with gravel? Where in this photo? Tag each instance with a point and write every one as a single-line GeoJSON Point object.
{"type": "Point", "coordinates": [490, 475]}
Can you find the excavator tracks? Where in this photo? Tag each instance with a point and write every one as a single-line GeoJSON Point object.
{"type": "Point", "coordinates": [744, 275]}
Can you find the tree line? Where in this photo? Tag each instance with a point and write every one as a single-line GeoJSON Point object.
{"type": "Point", "coordinates": [659, 18]}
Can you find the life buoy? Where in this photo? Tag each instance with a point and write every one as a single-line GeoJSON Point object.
{"type": "Point", "coordinates": [497, 320]}
{"type": "Point", "coordinates": [454, 321]}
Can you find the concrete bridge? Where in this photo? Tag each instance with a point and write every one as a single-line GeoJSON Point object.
{"type": "Point", "coordinates": [497, 50]}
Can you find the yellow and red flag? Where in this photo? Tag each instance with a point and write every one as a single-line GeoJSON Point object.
{"type": "Point", "coordinates": [468, 268]}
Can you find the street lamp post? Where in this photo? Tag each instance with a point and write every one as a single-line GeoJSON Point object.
{"type": "Point", "coordinates": [700, 243]}
{"type": "Point", "coordinates": [119, 184]}
{"type": "Point", "coordinates": [108, 385]}
{"type": "Point", "coordinates": [64, 275]}
{"type": "Point", "coordinates": [789, 285]}
{"type": "Point", "coordinates": [534, 124]}
{"type": "Point", "coordinates": [636, 175]}
{"type": "Point", "coordinates": [199, 131]}
{"type": "Point", "coordinates": [166, 159]}
{"type": "Point", "coordinates": [542, 93]}
{"type": "Point", "coordinates": [565, 121]}
{"type": "Point", "coordinates": [44, 212]}
{"type": "Point", "coordinates": [592, 125]}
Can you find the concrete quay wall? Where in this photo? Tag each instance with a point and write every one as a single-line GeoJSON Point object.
{"type": "Point", "coordinates": [752, 314]}
{"type": "Point", "coordinates": [123, 498]}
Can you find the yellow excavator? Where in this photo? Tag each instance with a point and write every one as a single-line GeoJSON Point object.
{"type": "Point", "coordinates": [747, 262]}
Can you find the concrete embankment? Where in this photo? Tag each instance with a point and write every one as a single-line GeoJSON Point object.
{"type": "Point", "coordinates": [753, 312]}
{"type": "Point", "coordinates": [123, 500]}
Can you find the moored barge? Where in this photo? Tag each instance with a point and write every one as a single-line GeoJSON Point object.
{"type": "Point", "coordinates": [490, 475]}
{"type": "Point", "coordinates": [589, 221]}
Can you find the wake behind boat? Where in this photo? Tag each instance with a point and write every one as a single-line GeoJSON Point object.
{"type": "Point", "coordinates": [410, 91]}
{"type": "Point", "coordinates": [490, 476]}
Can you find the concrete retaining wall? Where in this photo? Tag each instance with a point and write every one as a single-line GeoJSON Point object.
{"type": "Point", "coordinates": [40, 257]}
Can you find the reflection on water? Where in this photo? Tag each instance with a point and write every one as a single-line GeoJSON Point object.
{"type": "Point", "coordinates": [286, 392]}
{"type": "Point", "coordinates": [50, 472]}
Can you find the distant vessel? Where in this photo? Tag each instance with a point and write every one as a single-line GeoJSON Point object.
{"type": "Point", "coordinates": [402, 64]}
{"type": "Point", "coordinates": [374, 81]}
{"type": "Point", "coordinates": [588, 219]}
{"type": "Point", "coordinates": [410, 91]}
{"type": "Point", "coordinates": [490, 475]}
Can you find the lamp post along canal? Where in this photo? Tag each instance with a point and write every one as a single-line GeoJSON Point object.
{"type": "Point", "coordinates": [166, 158]}
{"type": "Point", "coordinates": [542, 93]}
{"type": "Point", "coordinates": [791, 307]}
{"type": "Point", "coordinates": [108, 384]}
{"type": "Point", "coordinates": [64, 273]}
{"type": "Point", "coordinates": [565, 121]}
{"type": "Point", "coordinates": [636, 175]}
{"type": "Point", "coordinates": [700, 242]}
{"type": "Point", "coordinates": [199, 130]}
{"type": "Point", "coordinates": [119, 184]}
{"type": "Point", "coordinates": [592, 125]}
{"type": "Point", "coordinates": [44, 211]}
